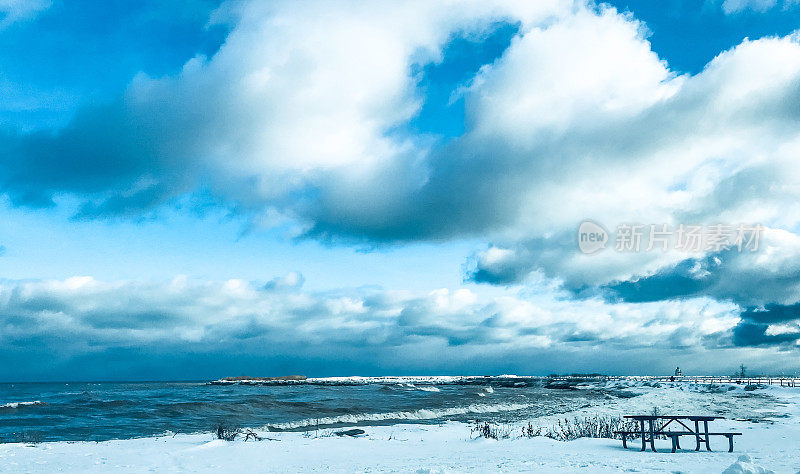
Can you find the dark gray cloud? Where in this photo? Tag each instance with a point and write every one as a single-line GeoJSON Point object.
{"type": "Point", "coordinates": [754, 334]}
{"type": "Point", "coordinates": [722, 277]}
{"type": "Point", "coordinates": [772, 313]}
{"type": "Point", "coordinates": [105, 155]}
{"type": "Point", "coordinates": [749, 279]}
{"type": "Point", "coordinates": [769, 275]}
{"type": "Point", "coordinates": [687, 279]}
{"type": "Point", "coordinates": [762, 284]}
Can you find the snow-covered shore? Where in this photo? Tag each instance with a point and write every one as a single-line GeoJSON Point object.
{"type": "Point", "coordinates": [770, 444]}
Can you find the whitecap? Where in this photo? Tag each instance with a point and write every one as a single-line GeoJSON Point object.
{"type": "Point", "coordinates": [21, 404]}
{"type": "Point", "coordinates": [422, 414]}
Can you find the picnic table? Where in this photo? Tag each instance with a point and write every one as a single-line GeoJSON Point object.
{"type": "Point", "coordinates": [657, 426]}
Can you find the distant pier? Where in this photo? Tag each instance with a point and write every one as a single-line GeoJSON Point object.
{"type": "Point", "coordinates": [699, 379]}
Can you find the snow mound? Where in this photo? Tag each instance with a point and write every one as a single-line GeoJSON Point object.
{"type": "Point", "coordinates": [745, 466]}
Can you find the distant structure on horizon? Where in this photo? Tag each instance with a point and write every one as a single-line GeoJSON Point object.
{"type": "Point", "coordinates": [678, 372]}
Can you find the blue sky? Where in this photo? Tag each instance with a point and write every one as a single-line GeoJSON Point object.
{"type": "Point", "coordinates": [392, 188]}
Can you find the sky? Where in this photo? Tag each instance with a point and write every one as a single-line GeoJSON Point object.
{"type": "Point", "coordinates": [198, 189]}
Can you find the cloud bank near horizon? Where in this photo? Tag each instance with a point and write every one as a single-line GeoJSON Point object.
{"type": "Point", "coordinates": [51, 327]}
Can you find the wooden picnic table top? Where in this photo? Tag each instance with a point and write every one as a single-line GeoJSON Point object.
{"type": "Point", "coordinates": [673, 417]}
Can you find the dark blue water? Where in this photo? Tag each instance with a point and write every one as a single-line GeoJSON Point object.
{"type": "Point", "coordinates": [102, 411]}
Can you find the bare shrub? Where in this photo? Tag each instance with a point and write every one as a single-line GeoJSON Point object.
{"type": "Point", "coordinates": [250, 434]}
{"type": "Point", "coordinates": [565, 430]}
{"type": "Point", "coordinates": [658, 425]}
{"type": "Point", "coordinates": [227, 432]}
{"type": "Point", "coordinates": [530, 431]}
{"type": "Point", "coordinates": [487, 430]}
{"type": "Point", "coordinates": [589, 427]}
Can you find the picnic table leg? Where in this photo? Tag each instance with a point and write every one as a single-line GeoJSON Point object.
{"type": "Point", "coordinates": [730, 443]}
{"type": "Point", "coordinates": [677, 442]}
{"type": "Point", "coordinates": [705, 426]}
{"type": "Point", "coordinates": [652, 436]}
{"type": "Point", "coordinates": [674, 442]}
{"type": "Point", "coordinates": [624, 441]}
{"type": "Point", "coordinates": [644, 439]}
{"type": "Point", "coordinates": [697, 434]}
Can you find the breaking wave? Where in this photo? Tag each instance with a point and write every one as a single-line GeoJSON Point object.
{"type": "Point", "coordinates": [414, 415]}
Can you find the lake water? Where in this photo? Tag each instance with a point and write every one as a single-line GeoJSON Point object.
{"type": "Point", "coordinates": [101, 411]}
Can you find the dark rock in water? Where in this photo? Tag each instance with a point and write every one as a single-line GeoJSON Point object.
{"type": "Point", "coordinates": [354, 432]}
{"type": "Point", "coordinates": [268, 379]}
{"type": "Point", "coordinates": [624, 394]}
{"type": "Point", "coordinates": [245, 380]}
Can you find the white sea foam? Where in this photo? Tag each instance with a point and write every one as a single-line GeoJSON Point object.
{"type": "Point", "coordinates": [21, 404]}
{"type": "Point", "coordinates": [423, 414]}
{"type": "Point", "coordinates": [433, 379]}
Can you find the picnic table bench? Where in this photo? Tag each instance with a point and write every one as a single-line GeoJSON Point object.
{"type": "Point", "coordinates": [701, 434]}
